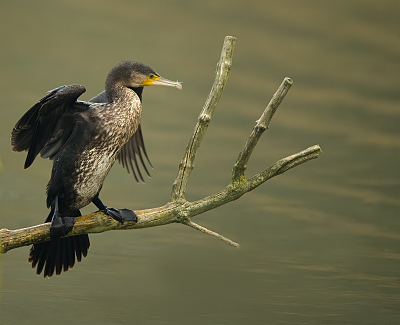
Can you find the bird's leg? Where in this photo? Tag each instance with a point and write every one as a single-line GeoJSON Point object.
{"type": "Point", "coordinates": [120, 215]}
{"type": "Point", "coordinates": [60, 226]}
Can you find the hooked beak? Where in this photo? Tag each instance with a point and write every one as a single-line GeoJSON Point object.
{"type": "Point", "coordinates": [165, 82]}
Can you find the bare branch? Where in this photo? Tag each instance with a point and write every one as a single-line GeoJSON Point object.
{"type": "Point", "coordinates": [284, 165]}
{"type": "Point", "coordinates": [204, 119]}
{"type": "Point", "coordinates": [261, 125]}
{"type": "Point", "coordinates": [212, 233]}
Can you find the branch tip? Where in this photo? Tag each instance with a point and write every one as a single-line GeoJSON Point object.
{"type": "Point", "coordinates": [209, 232]}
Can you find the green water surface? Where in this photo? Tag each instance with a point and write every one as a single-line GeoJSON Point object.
{"type": "Point", "coordinates": [320, 244]}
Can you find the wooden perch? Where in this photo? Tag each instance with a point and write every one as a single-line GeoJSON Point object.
{"type": "Point", "coordinates": [179, 210]}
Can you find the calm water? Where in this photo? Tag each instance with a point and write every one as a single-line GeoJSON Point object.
{"type": "Point", "coordinates": [319, 244]}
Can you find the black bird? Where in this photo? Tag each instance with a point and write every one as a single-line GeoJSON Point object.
{"type": "Point", "coordinates": [84, 139]}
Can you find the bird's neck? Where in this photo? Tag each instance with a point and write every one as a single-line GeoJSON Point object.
{"type": "Point", "coordinates": [138, 91]}
{"type": "Point", "coordinates": [118, 92]}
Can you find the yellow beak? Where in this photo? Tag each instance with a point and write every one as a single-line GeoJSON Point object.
{"type": "Point", "coordinates": [162, 82]}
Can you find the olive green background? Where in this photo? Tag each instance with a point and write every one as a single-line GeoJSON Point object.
{"type": "Point", "coordinates": [320, 244]}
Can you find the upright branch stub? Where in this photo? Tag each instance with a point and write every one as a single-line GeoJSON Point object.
{"type": "Point", "coordinates": [261, 125]}
{"type": "Point", "coordinates": [203, 121]}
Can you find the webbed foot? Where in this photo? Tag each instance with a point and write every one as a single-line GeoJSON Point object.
{"type": "Point", "coordinates": [60, 226]}
{"type": "Point", "coordinates": [121, 215]}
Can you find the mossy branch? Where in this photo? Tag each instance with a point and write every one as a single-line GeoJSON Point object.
{"type": "Point", "coordinates": [178, 210]}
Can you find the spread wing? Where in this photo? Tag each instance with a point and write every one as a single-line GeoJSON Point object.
{"type": "Point", "coordinates": [43, 128]}
{"type": "Point", "coordinates": [133, 150]}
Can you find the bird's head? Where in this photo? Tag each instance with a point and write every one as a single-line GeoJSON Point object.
{"type": "Point", "coordinates": [135, 74]}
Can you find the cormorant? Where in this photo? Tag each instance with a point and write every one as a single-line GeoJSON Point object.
{"type": "Point", "coordinates": [84, 139]}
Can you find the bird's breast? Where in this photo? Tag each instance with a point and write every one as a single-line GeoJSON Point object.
{"type": "Point", "coordinates": [109, 129]}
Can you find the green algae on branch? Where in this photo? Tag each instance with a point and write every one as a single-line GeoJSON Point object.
{"type": "Point", "coordinates": [178, 210]}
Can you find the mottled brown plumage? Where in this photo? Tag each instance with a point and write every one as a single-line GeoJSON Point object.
{"type": "Point", "coordinates": [83, 139]}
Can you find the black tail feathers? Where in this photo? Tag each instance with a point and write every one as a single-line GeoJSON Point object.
{"type": "Point", "coordinates": [57, 255]}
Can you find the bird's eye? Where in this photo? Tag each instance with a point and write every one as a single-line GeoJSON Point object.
{"type": "Point", "coordinates": [151, 76]}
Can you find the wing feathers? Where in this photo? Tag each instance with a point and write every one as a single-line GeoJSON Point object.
{"type": "Point", "coordinates": [40, 130]}
{"type": "Point", "coordinates": [127, 156]}
{"type": "Point", "coordinates": [36, 127]}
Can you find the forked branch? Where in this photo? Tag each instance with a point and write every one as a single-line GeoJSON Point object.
{"type": "Point", "coordinates": [178, 210]}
